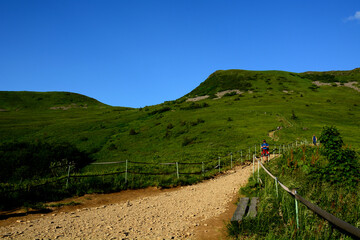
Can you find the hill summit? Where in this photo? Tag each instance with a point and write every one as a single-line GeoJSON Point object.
{"type": "Point", "coordinates": [262, 81]}
{"type": "Point", "coordinates": [25, 100]}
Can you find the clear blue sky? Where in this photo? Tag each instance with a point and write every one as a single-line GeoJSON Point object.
{"type": "Point", "coordinates": [136, 53]}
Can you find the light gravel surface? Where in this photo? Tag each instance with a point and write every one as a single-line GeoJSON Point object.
{"type": "Point", "coordinates": [177, 214]}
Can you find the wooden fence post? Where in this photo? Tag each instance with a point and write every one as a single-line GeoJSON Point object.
{"type": "Point", "coordinates": [254, 166]}
{"type": "Point", "coordinates": [203, 170]}
{"type": "Point", "coordinates": [297, 211]}
{"type": "Point", "coordinates": [68, 176]}
{"type": "Point", "coordinates": [279, 149]}
{"type": "Point", "coordinates": [126, 170]}
{"type": "Point", "coordinates": [258, 170]}
{"type": "Point", "coordinates": [177, 170]}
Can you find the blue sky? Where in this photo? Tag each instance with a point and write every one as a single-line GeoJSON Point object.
{"type": "Point", "coordinates": [137, 53]}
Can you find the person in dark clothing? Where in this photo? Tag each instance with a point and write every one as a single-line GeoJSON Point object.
{"type": "Point", "coordinates": [314, 139]}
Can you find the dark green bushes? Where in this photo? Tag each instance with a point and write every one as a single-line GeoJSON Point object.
{"type": "Point", "coordinates": [293, 115]}
{"type": "Point", "coordinates": [314, 87]}
{"type": "Point", "coordinates": [161, 110]}
{"type": "Point", "coordinates": [25, 160]}
{"type": "Point", "coordinates": [343, 167]}
{"type": "Point", "coordinates": [132, 132]}
{"type": "Point", "coordinates": [323, 77]}
{"type": "Point", "coordinates": [230, 94]}
{"type": "Point", "coordinates": [331, 140]}
{"type": "Point", "coordinates": [188, 140]}
{"type": "Point", "coordinates": [194, 105]}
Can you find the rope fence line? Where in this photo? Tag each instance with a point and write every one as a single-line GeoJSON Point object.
{"type": "Point", "coordinates": [192, 163]}
{"type": "Point", "coordinates": [106, 163]}
{"type": "Point", "coordinates": [339, 223]}
{"type": "Point", "coordinates": [154, 174]}
{"type": "Point", "coordinates": [97, 175]}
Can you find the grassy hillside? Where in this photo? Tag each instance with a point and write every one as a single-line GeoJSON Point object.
{"type": "Point", "coordinates": [183, 131]}
{"type": "Point", "coordinates": [258, 81]}
{"type": "Point", "coordinates": [10, 101]}
{"type": "Point", "coordinates": [176, 129]}
{"type": "Point", "coordinates": [334, 76]}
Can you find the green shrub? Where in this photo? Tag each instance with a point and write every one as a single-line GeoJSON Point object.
{"type": "Point", "coordinates": [194, 105]}
{"type": "Point", "coordinates": [199, 120]}
{"type": "Point", "coordinates": [293, 116]}
{"type": "Point", "coordinates": [183, 122]}
{"type": "Point", "coordinates": [313, 87]}
{"type": "Point", "coordinates": [322, 77]}
{"type": "Point", "coordinates": [230, 94]}
{"type": "Point", "coordinates": [187, 141]}
{"type": "Point", "coordinates": [28, 160]}
{"type": "Point", "coordinates": [132, 132]}
{"type": "Point", "coordinates": [343, 167]}
{"type": "Point", "coordinates": [330, 139]}
{"type": "Point", "coordinates": [161, 110]}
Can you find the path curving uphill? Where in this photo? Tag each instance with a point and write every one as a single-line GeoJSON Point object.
{"type": "Point", "coordinates": [191, 212]}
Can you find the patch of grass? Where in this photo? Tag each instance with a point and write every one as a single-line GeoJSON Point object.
{"type": "Point", "coordinates": [58, 205]}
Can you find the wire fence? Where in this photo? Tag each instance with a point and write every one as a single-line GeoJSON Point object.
{"type": "Point", "coordinates": [339, 223]}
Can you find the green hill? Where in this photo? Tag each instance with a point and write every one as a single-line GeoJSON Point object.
{"type": "Point", "coordinates": [261, 81]}
{"type": "Point", "coordinates": [243, 80]}
{"type": "Point", "coordinates": [334, 76]}
{"type": "Point", "coordinates": [183, 129]}
{"type": "Point", "coordinates": [24, 100]}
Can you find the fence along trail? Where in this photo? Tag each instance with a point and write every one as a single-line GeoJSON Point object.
{"type": "Point", "coordinates": [206, 166]}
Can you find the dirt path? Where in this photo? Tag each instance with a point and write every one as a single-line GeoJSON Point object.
{"type": "Point", "coordinates": [191, 212]}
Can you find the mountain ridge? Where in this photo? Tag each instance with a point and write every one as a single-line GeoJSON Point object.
{"type": "Point", "coordinates": [245, 80]}
{"type": "Point", "coordinates": [218, 81]}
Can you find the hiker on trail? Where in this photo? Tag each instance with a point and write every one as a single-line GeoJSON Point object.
{"type": "Point", "coordinates": [314, 140]}
{"type": "Point", "coordinates": [265, 150]}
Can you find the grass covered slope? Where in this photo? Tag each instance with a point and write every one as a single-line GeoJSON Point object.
{"type": "Point", "coordinates": [24, 100]}
{"type": "Point", "coordinates": [180, 130]}
{"type": "Point", "coordinates": [184, 130]}
{"type": "Point", "coordinates": [244, 80]}
{"type": "Point", "coordinates": [334, 76]}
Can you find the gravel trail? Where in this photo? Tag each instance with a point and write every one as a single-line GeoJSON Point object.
{"type": "Point", "coordinates": [178, 214]}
